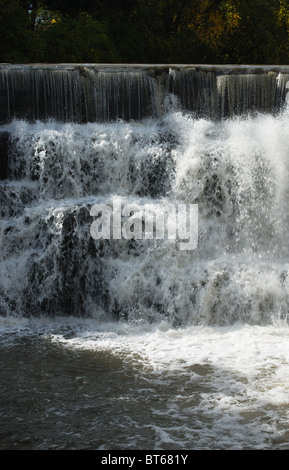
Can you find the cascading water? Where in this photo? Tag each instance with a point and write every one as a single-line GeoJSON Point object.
{"type": "Point", "coordinates": [214, 318]}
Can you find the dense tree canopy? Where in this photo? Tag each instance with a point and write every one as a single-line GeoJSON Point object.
{"type": "Point", "coordinates": [145, 31]}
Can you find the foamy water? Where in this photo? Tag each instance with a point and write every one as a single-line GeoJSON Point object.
{"type": "Point", "coordinates": [148, 386]}
{"type": "Point", "coordinates": [135, 344]}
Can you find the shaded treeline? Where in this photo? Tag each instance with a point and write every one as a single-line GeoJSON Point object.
{"type": "Point", "coordinates": [145, 31]}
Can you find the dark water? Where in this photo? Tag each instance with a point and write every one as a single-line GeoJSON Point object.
{"type": "Point", "coordinates": [66, 387]}
{"type": "Point", "coordinates": [53, 398]}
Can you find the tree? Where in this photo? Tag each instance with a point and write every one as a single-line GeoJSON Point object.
{"type": "Point", "coordinates": [18, 43]}
{"type": "Point", "coordinates": [163, 31]}
{"type": "Point", "coordinates": [242, 31]}
{"type": "Point", "coordinates": [80, 39]}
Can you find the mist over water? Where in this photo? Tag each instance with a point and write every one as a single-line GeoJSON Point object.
{"type": "Point", "coordinates": [136, 344]}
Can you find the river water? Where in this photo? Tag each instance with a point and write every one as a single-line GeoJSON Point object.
{"type": "Point", "coordinates": [123, 344]}
{"type": "Point", "coordinates": [82, 385]}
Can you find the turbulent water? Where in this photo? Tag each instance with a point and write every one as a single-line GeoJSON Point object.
{"type": "Point", "coordinates": [135, 343]}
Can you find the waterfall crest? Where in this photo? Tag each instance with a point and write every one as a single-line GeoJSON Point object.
{"type": "Point", "coordinates": [97, 93]}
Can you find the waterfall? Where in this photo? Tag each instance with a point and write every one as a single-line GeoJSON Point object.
{"type": "Point", "coordinates": [74, 137]}
{"type": "Point", "coordinates": [98, 93]}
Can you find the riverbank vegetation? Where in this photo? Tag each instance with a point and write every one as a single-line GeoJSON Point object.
{"type": "Point", "coordinates": [145, 31]}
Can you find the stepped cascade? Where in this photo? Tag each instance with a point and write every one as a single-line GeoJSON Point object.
{"type": "Point", "coordinates": [75, 136]}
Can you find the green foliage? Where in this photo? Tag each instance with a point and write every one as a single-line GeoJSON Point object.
{"type": "Point", "coordinates": [257, 37]}
{"type": "Point", "coordinates": [18, 42]}
{"type": "Point", "coordinates": [152, 31]}
{"type": "Point", "coordinates": [80, 39]}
